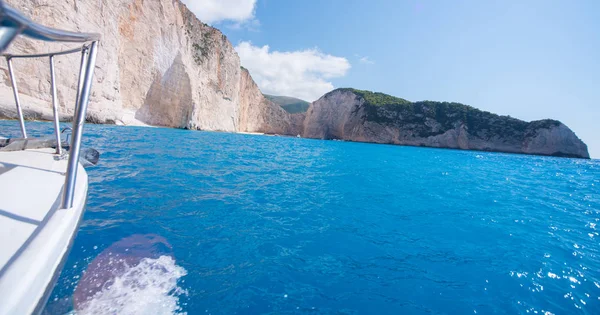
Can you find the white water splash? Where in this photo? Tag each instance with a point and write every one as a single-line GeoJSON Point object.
{"type": "Point", "coordinates": [148, 288]}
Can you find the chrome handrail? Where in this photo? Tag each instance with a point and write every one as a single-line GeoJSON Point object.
{"type": "Point", "coordinates": [15, 89]}
{"type": "Point", "coordinates": [13, 24]}
{"type": "Point", "coordinates": [13, 82]}
{"type": "Point", "coordinates": [55, 106]}
{"type": "Point", "coordinates": [56, 53]}
{"type": "Point", "coordinates": [86, 75]}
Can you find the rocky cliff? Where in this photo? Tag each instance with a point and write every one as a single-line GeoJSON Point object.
{"type": "Point", "coordinates": [258, 114]}
{"type": "Point", "coordinates": [157, 64]}
{"type": "Point", "coordinates": [375, 117]}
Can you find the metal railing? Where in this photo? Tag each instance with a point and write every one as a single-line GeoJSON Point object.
{"type": "Point", "coordinates": [13, 24]}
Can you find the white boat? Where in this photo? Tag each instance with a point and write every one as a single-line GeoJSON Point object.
{"type": "Point", "coordinates": [43, 186]}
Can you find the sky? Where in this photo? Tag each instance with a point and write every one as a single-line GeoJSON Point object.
{"type": "Point", "coordinates": [531, 60]}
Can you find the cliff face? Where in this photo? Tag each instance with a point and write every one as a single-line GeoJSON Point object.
{"type": "Point", "coordinates": [157, 64]}
{"type": "Point", "coordinates": [257, 113]}
{"type": "Point", "coordinates": [374, 117]}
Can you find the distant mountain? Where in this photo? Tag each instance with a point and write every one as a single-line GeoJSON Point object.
{"type": "Point", "coordinates": [291, 104]}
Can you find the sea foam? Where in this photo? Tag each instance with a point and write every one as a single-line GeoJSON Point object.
{"type": "Point", "coordinates": [151, 287]}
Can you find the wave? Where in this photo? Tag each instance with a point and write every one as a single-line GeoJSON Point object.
{"type": "Point", "coordinates": [150, 287]}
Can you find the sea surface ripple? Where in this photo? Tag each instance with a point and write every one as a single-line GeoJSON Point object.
{"type": "Point", "coordinates": [284, 225]}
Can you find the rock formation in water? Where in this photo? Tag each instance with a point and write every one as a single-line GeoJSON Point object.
{"type": "Point", "coordinates": [356, 115]}
{"type": "Point", "coordinates": [157, 64]}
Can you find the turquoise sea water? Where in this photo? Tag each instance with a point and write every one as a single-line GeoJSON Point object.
{"type": "Point", "coordinates": [278, 225]}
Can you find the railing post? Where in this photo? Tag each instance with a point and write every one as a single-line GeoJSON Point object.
{"type": "Point", "coordinates": [13, 81]}
{"type": "Point", "coordinates": [84, 88]}
{"type": "Point", "coordinates": [82, 68]}
{"type": "Point", "coordinates": [55, 106]}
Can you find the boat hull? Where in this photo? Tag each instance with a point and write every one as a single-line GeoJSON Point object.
{"type": "Point", "coordinates": [37, 234]}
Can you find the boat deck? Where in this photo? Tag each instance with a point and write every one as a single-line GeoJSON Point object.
{"type": "Point", "coordinates": [20, 214]}
{"type": "Point", "coordinates": [35, 233]}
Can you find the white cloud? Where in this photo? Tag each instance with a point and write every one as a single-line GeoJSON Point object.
{"type": "Point", "coordinates": [366, 60]}
{"type": "Point", "coordinates": [303, 74]}
{"type": "Point", "coordinates": [214, 11]}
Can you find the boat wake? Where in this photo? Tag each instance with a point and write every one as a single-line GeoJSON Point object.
{"type": "Point", "coordinates": [150, 287]}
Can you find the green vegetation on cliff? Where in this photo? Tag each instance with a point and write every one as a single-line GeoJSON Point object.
{"type": "Point", "coordinates": [377, 98]}
{"type": "Point", "coordinates": [291, 104]}
{"type": "Point", "coordinates": [430, 118]}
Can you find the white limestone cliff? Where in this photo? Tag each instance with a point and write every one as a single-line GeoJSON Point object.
{"type": "Point", "coordinates": [157, 64]}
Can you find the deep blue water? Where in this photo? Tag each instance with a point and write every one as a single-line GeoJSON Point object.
{"type": "Point", "coordinates": [284, 225]}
